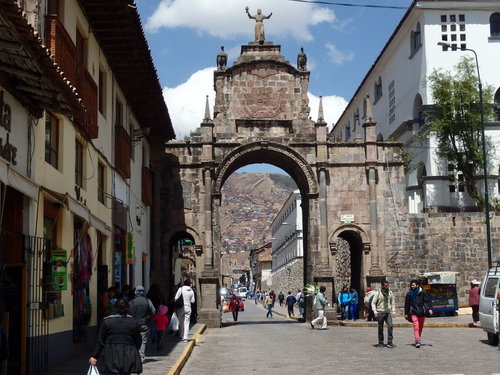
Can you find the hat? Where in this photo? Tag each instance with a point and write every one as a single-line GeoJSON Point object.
{"type": "Point", "coordinates": [139, 289]}
{"type": "Point", "coordinates": [475, 282]}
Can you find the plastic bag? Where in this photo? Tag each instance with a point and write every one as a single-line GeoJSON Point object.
{"type": "Point", "coordinates": [174, 323]}
{"type": "Point", "coordinates": [93, 370]}
{"type": "Point", "coordinates": [225, 308]}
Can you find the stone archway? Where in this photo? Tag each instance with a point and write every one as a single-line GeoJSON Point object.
{"type": "Point", "coordinates": [261, 114]}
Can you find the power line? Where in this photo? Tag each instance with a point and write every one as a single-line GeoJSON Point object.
{"type": "Point", "coordinates": [349, 5]}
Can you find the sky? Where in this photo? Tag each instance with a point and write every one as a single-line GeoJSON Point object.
{"type": "Point", "coordinates": [341, 43]}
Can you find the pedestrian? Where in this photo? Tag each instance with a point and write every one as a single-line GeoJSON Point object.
{"type": "Point", "coordinates": [269, 303]}
{"type": "Point", "coordinates": [234, 306]}
{"type": "Point", "coordinates": [142, 309]}
{"type": "Point", "coordinates": [119, 338]}
{"type": "Point", "coordinates": [384, 309]}
{"type": "Point", "coordinates": [417, 305]}
{"type": "Point", "coordinates": [281, 298]}
{"type": "Point", "coordinates": [290, 301]}
{"type": "Point", "coordinates": [319, 304]}
{"type": "Point", "coordinates": [155, 295]}
{"type": "Point", "coordinates": [273, 296]}
{"type": "Point", "coordinates": [301, 303]}
{"type": "Point", "coordinates": [160, 320]}
{"type": "Point", "coordinates": [344, 300]}
{"type": "Point", "coordinates": [353, 307]}
{"type": "Point", "coordinates": [474, 300]}
{"type": "Point", "coordinates": [184, 312]}
{"type": "Point", "coordinates": [257, 297]}
{"type": "Point", "coordinates": [368, 304]}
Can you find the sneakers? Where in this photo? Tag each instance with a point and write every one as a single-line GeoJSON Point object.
{"type": "Point", "coordinates": [390, 345]}
{"type": "Point", "coordinates": [312, 325]}
{"type": "Point", "coordinates": [185, 340]}
{"type": "Point", "coordinates": [417, 344]}
{"type": "Point", "coordinates": [380, 345]}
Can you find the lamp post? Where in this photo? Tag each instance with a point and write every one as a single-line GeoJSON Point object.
{"type": "Point", "coordinates": [483, 140]}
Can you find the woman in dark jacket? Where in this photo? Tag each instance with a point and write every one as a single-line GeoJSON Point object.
{"type": "Point", "coordinates": [117, 343]}
{"type": "Point", "coordinates": [417, 304]}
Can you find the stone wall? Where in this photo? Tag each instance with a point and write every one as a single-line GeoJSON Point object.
{"type": "Point", "coordinates": [434, 242]}
{"type": "Point", "coordinates": [284, 280]}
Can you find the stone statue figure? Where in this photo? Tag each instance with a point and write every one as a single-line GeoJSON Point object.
{"type": "Point", "coordinates": [301, 60]}
{"type": "Point", "coordinates": [259, 24]}
{"type": "Point", "coordinates": [221, 59]}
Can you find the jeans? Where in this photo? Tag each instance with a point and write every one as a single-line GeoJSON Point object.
{"type": "Point", "coordinates": [144, 337]}
{"type": "Point", "coordinates": [321, 317]}
{"type": "Point", "coordinates": [353, 308]}
{"type": "Point", "coordinates": [418, 326]}
{"type": "Point", "coordinates": [235, 315]}
{"type": "Point", "coordinates": [159, 339]}
{"type": "Point", "coordinates": [269, 311]}
{"type": "Point", "coordinates": [475, 313]}
{"type": "Point", "coordinates": [290, 310]}
{"type": "Point", "coordinates": [345, 311]}
{"type": "Point", "coordinates": [387, 318]}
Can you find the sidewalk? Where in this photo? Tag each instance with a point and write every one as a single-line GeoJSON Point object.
{"type": "Point", "coordinates": [169, 360]}
{"type": "Point", "coordinates": [459, 321]}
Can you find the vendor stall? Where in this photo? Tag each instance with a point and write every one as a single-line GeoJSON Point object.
{"type": "Point", "coordinates": [442, 288]}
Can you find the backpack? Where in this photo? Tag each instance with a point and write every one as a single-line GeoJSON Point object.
{"type": "Point", "coordinates": [179, 302]}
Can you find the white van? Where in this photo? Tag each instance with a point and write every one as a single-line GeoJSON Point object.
{"type": "Point", "coordinates": [488, 304]}
{"type": "Point", "coordinates": [242, 292]}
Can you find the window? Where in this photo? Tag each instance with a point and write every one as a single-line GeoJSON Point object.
{"type": "Point", "coordinates": [101, 182]}
{"type": "Point", "coordinates": [495, 25]}
{"type": "Point", "coordinates": [51, 139]}
{"type": "Point", "coordinates": [118, 113]}
{"type": "Point", "coordinates": [490, 289]}
{"type": "Point", "coordinates": [348, 131]}
{"type": "Point", "coordinates": [416, 39]}
{"type": "Point", "coordinates": [102, 92]}
{"type": "Point", "coordinates": [497, 104]}
{"type": "Point", "coordinates": [79, 163]}
{"type": "Point", "coordinates": [378, 88]}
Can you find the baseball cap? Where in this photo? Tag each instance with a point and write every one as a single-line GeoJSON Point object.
{"type": "Point", "coordinates": [139, 289]}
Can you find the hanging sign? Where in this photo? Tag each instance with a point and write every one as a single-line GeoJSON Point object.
{"type": "Point", "coordinates": [129, 248]}
{"type": "Point", "coordinates": [59, 269]}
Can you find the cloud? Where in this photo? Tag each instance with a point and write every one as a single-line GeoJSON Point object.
{"type": "Point", "coordinates": [337, 56]}
{"type": "Point", "coordinates": [186, 103]}
{"type": "Point", "coordinates": [227, 18]}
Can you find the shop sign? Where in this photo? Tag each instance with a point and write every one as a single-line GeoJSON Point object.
{"type": "Point", "coordinates": [129, 248]}
{"type": "Point", "coordinates": [7, 151]}
{"type": "Point", "coordinates": [59, 269]}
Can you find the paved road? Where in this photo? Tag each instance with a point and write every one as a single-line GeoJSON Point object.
{"type": "Point", "coordinates": [259, 345]}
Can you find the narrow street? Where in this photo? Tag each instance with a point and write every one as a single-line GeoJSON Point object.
{"type": "Point", "coordinates": [259, 345]}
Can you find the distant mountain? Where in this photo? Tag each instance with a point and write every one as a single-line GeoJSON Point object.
{"type": "Point", "coordinates": [250, 202]}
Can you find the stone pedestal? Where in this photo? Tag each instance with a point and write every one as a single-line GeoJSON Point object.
{"type": "Point", "coordinates": [208, 310]}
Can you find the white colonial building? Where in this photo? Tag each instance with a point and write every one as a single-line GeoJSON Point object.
{"type": "Point", "coordinates": [396, 85]}
{"type": "Point", "coordinates": [287, 245]}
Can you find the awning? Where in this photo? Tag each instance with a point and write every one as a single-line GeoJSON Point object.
{"type": "Point", "coordinates": [82, 211]}
{"type": "Point", "coordinates": [11, 177]}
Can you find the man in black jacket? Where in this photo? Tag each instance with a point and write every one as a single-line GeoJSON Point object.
{"type": "Point", "coordinates": [417, 305]}
{"type": "Point", "coordinates": [142, 309]}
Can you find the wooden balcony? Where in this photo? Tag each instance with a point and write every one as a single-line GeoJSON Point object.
{"type": "Point", "coordinates": [64, 51]}
{"type": "Point", "coordinates": [147, 186]}
{"type": "Point", "coordinates": [123, 151]}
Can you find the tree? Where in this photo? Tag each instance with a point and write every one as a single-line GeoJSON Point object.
{"type": "Point", "coordinates": [456, 121]}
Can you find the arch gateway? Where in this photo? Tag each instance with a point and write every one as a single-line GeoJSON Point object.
{"type": "Point", "coordinates": [349, 191]}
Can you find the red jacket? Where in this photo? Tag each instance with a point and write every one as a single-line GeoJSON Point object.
{"type": "Point", "coordinates": [235, 304]}
{"type": "Point", "coordinates": [161, 321]}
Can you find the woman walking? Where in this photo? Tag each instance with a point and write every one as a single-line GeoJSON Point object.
{"type": "Point", "coordinates": [417, 304]}
{"type": "Point", "coordinates": [117, 348]}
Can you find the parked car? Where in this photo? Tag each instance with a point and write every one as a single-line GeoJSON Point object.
{"type": "Point", "coordinates": [242, 292]}
{"type": "Point", "coordinates": [488, 304]}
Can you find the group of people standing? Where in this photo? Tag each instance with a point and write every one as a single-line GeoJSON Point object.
{"type": "Point", "coordinates": [348, 302]}
{"type": "Point", "coordinates": [123, 334]}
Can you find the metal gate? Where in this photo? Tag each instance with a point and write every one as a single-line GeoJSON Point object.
{"type": "Point", "coordinates": [37, 253]}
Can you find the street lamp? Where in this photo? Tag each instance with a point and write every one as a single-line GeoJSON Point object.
{"type": "Point", "coordinates": [483, 139]}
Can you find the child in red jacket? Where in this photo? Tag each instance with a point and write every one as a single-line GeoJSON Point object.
{"type": "Point", "coordinates": [161, 321]}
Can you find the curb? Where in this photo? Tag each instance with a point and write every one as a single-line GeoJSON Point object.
{"type": "Point", "coordinates": [404, 324]}
{"type": "Point", "coordinates": [181, 361]}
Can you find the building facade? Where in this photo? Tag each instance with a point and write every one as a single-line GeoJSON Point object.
{"type": "Point", "coordinates": [402, 99]}
{"type": "Point", "coordinates": [77, 170]}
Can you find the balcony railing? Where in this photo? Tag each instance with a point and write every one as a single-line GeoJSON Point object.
{"type": "Point", "coordinates": [64, 51]}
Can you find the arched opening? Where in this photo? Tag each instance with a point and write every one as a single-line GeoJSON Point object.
{"type": "Point", "coordinates": [421, 174]}
{"type": "Point", "coordinates": [348, 261]}
{"type": "Point", "coordinates": [497, 105]}
{"type": "Point", "coordinates": [418, 114]}
{"type": "Point", "coordinates": [495, 25]}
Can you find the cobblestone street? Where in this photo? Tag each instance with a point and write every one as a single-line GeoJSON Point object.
{"type": "Point", "coordinates": [259, 345]}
